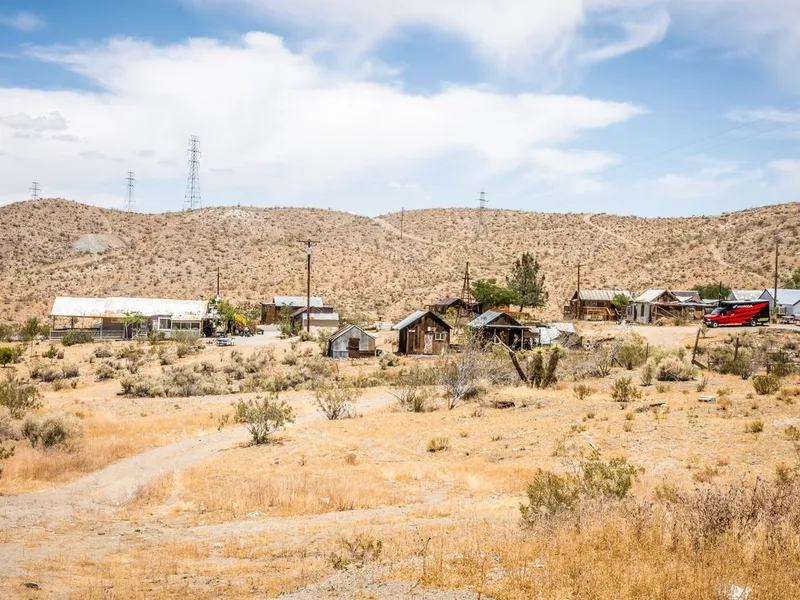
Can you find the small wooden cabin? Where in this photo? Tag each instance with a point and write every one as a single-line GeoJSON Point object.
{"type": "Point", "coordinates": [495, 325]}
{"type": "Point", "coordinates": [423, 333]}
{"type": "Point", "coordinates": [271, 311]}
{"type": "Point", "coordinates": [594, 305]}
{"type": "Point", "coordinates": [351, 342]}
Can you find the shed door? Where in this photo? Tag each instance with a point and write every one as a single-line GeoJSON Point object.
{"type": "Point", "coordinates": [352, 347]}
{"type": "Point", "coordinates": [428, 343]}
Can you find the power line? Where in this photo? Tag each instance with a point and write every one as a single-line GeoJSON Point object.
{"type": "Point", "coordinates": [130, 198]}
{"type": "Point", "coordinates": [192, 199]}
{"type": "Point", "coordinates": [35, 190]}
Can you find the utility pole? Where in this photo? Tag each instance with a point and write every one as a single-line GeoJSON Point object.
{"type": "Point", "coordinates": [218, 282]}
{"type": "Point", "coordinates": [775, 286]}
{"type": "Point", "coordinates": [402, 219]}
{"type": "Point", "coordinates": [578, 296]}
{"type": "Point", "coordinates": [309, 244]}
{"type": "Point", "coordinates": [35, 190]}
{"type": "Point", "coordinates": [130, 198]}
{"type": "Point", "coordinates": [192, 200]}
{"type": "Point", "coordinates": [482, 200]}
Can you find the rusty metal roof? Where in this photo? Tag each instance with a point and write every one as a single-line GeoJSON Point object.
{"type": "Point", "coordinates": [603, 295]}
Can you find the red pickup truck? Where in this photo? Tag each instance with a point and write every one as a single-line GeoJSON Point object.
{"type": "Point", "coordinates": [742, 313]}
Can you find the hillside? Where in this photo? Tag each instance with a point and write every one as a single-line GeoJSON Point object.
{"type": "Point", "coordinates": [360, 264]}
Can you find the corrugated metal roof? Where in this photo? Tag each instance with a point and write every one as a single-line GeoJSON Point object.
{"type": "Point", "coordinates": [603, 295]}
{"type": "Point", "coordinates": [347, 328]}
{"type": "Point", "coordinates": [418, 314]}
{"type": "Point", "coordinates": [487, 318]}
{"type": "Point", "coordinates": [686, 295]}
{"type": "Point", "coordinates": [652, 295]}
{"type": "Point", "coordinates": [790, 297]}
{"type": "Point", "coordinates": [179, 310]}
{"type": "Point", "coordinates": [296, 301]}
{"type": "Point", "coordinates": [745, 295]}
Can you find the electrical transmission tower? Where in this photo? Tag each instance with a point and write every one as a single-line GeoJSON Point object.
{"type": "Point", "coordinates": [482, 200]}
{"type": "Point", "coordinates": [192, 199]}
{"type": "Point", "coordinates": [35, 191]}
{"type": "Point", "coordinates": [130, 198]}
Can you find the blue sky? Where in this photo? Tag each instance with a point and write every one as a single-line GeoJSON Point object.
{"type": "Point", "coordinates": [374, 105]}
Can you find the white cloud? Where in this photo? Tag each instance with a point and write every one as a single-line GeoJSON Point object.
{"type": "Point", "coordinates": [274, 119]}
{"type": "Point", "coordinates": [23, 21]}
{"type": "Point", "coordinates": [709, 183]}
{"type": "Point", "coordinates": [53, 121]}
{"type": "Point", "coordinates": [523, 37]}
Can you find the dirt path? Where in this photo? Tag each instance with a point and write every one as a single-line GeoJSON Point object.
{"type": "Point", "coordinates": [588, 220]}
{"type": "Point", "coordinates": [392, 229]}
{"type": "Point", "coordinates": [717, 255]}
{"type": "Point", "coordinates": [111, 486]}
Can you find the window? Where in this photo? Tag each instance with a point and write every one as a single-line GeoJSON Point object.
{"type": "Point", "coordinates": [441, 336]}
{"type": "Point", "coordinates": [164, 323]}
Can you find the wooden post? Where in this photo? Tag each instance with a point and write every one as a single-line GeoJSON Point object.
{"type": "Point", "coordinates": [696, 342]}
{"type": "Point", "coordinates": [736, 349]}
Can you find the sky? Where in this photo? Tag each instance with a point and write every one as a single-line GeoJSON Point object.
{"type": "Point", "coordinates": [642, 107]}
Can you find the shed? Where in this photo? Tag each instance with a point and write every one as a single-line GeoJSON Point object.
{"type": "Point", "coordinates": [653, 305]}
{"type": "Point", "coordinates": [454, 304]}
{"type": "Point", "coordinates": [788, 301]}
{"type": "Point", "coordinates": [165, 315]}
{"type": "Point", "coordinates": [499, 326]}
{"type": "Point", "coordinates": [594, 305]}
{"type": "Point", "coordinates": [351, 342]}
{"type": "Point", "coordinates": [271, 311]}
{"type": "Point", "coordinates": [321, 318]}
{"type": "Point", "coordinates": [423, 333]}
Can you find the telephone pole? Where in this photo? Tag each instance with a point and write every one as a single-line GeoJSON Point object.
{"type": "Point", "coordinates": [578, 296]}
{"type": "Point", "coordinates": [309, 245]}
{"type": "Point", "coordinates": [402, 220]}
{"type": "Point", "coordinates": [218, 282]}
{"type": "Point", "coordinates": [775, 286]}
{"type": "Point", "coordinates": [35, 190]}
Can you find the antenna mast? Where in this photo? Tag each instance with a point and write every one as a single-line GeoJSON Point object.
{"type": "Point", "coordinates": [482, 200]}
{"type": "Point", "coordinates": [130, 198]}
{"type": "Point", "coordinates": [35, 190]}
{"type": "Point", "coordinates": [192, 199]}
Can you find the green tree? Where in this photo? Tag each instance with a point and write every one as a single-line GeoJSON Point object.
{"type": "Point", "coordinates": [6, 356]}
{"type": "Point", "coordinates": [527, 283]}
{"type": "Point", "coordinates": [263, 416]}
{"type": "Point", "coordinates": [31, 329]}
{"type": "Point", "coordinates": [712, 291]}
{"type": "Point", "coordinates": [793, 282]}
{"type": "Point", "coordinates": [130, 319]}
{"type": "Point", "coordinates": [488, 293]}
{"type": "Point", "coordinates": [620, 303]}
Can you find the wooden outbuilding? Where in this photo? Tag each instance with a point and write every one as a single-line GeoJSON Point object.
{"type": "Point", "coordinates": [456, 305]}
{"type": "Point", "coordinates": [502, 327]}
{"type": "Point", "coordinates": [594, 305]}
{"type": "Point", "coordinates": [423, 333]}
{"type": "Point", "coordinates": [271, 311]}
{"type": "Point", "coordinates": [351, 342]}
{"type": "Point", "coordinates": [653, 305]}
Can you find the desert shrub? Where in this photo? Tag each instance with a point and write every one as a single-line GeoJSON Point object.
{"type": "Point", "coordinates": [103, 351]}
{"type": "Point", "coordinates": [412, 395]}
{"type": "Point", "coordinates": [8, 430]}
{"type": "Point", "coordinates": [7, 356]}
{"type": "Point", "coordinates": [438, 444]}
{"type": "Point", "coordinates": [542, 366]}
{"type": "Point", "coordinates": [336, 402]}
{"type": "Point", "coordinates": [263, 416]}
{"type": "Point", "coordinates": [766, 384]}
{"type": "Point", "coordinates": [357, 551]}
{"type": "Point", "coordinates": [388, 360]}
{"type": "Point", "coordinates": [647, 373]}
{"type": "Point", "coordinates": [631, 351]}
{"type": "Point", "coordinates": [17, 397]}
{"type": "Point", "coordinates": [50, 353]}
{"type": "Point", "coordinates": [323, 337]}
{"type": "Point", "coordinates": [51, 431]}
{"type": "Point", "coordinates": [754, 426]}
{"type": "Point", "coordinates": [592, 478]}
{"type": "Point", "coordinates": [672, 368]}
{"type": "Point", "coordinates": [582, 391]}
{"type": "Point", "coordinates": [290, 358]}
{"type": "Point", "coordinates": [45, 372]}
{"type": "Point", "coordinates": [166, 356]}
{"type": "Point", "coordinates": [304, 336]}
{"type": "Point", "coordinates": [703, 383]}
{"type": "Point", "coordinates": [601, 359]}
{"type": "Point", "coordinates": [186, 348]}
{"type": "Point", "coordinates": [624, 391]}
{"type": "Point", "coordinates": [105, 371]}
{"type": "Point", "coordinates": [70, 371]}
{"type": "Point", "coordinates": [73, 337]}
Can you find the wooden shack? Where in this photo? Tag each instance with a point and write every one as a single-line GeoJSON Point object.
{"type": "Point", "coordinates": [271, 311]}
{"type": "Point", "coordinates": [454, 306]}
{"type": "Point", "coordinates": [501, 327]}
{"type": "Point", "coordinates": [653, 305]}
{"type": "Point", "coordinates": [423, 333]}
{"type": "Point", "coordinates": [351, 342]}
{"type": "Point", "coordinates": [594, 305]}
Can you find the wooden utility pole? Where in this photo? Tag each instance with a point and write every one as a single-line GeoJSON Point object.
{"type": "Point", "coordinates": [309, 244]}
{"type": "Point", "coordinates": [578, 296]}
{"type": "Point", "coordinates": [217, 282]}
{"type": "Point", "coordinates": [775, 286]}
{"type": "Point", "coordinates": [402, 219]}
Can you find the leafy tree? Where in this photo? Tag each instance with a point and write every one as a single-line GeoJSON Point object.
{"type": "Point", "coordinates": [6, 356]}
{"type": "Point", "coordinates": [32, 328]}
{"type": "Point", "coordinates": [287, 325]}
{"type": "Point", "coordinates": [793, 282]}
{"type": "Point", "coordinates": [130, 319]}
{"type": "Point", "coordinates": [526, 283]}
{"type": "Point", "coordinates": [713, 291]}
{"type": "Point", "coordinates": [620, 303]}
{"type": "Point", "coordinates": [488, 293]}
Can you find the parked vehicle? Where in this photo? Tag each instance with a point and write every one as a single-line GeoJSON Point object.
{"type": "Point", "coordinates": [224, 340]}
{"type": "Point", "coordinates": [738, 313]}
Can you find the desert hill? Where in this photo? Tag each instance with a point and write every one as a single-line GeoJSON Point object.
{"type": "Point", "coordinates": [360, 264]}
